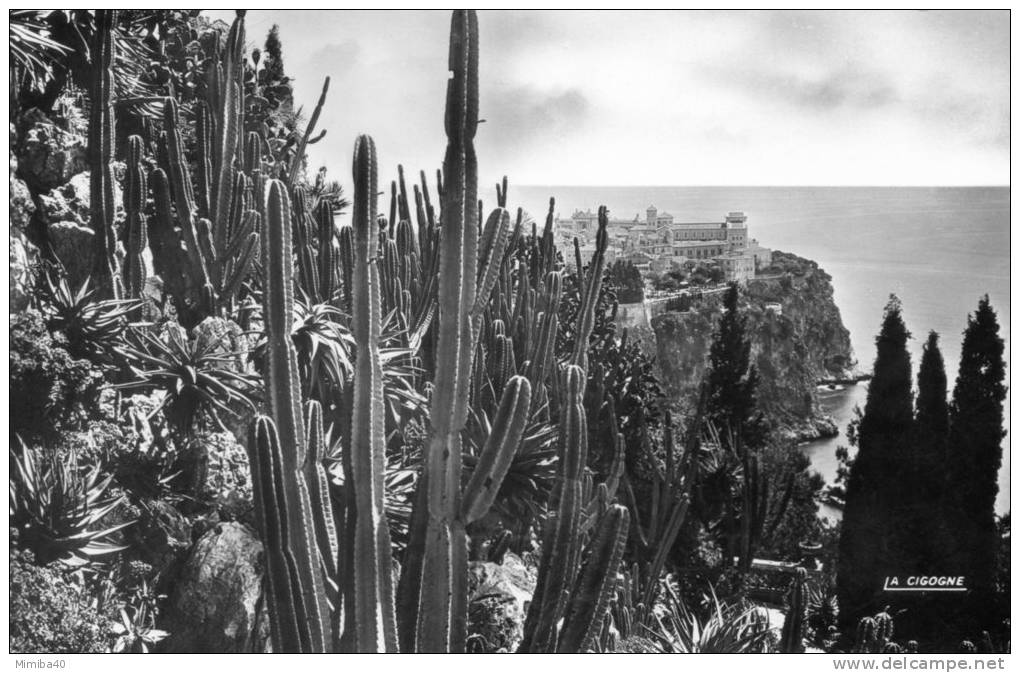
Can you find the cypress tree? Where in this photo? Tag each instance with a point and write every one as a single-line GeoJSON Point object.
{"type": "Point", "coordinates": [975, 450]}
{"type": "Point", "coordinates": [731, 378]}
{"type": "Point", "coordinates": [870, 542]}
{"type": "Point", "coordinates": [927, 486]}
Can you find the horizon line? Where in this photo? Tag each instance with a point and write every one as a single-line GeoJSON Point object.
{"type": "Point", "coordinates": [947, 186]}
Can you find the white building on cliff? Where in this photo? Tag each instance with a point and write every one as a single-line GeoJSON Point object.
{"type": "Point", "coordinates": [658, 242]}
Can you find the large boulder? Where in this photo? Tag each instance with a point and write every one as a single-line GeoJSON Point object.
{"type": "Point", "coordinates": [498, 599]}
{"type": "Point", "coordinates": [48, 156]}
{"type": "Point", "coordinates": [69, 202]}
{"type": "Point", "coordinates": [160, 535]}
{"type": "Point", "coordinates": [216, 604]}
{"type": "Point", "coordinates": [23, 266]}
{"type": "Point", "coordinates": [22, 205]}
{"type": "Point", "coordinates": [73, 245]}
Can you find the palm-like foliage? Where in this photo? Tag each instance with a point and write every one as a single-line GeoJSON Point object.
{"type": "Point", "coordinates": [724, 628]}
{"type": "Point", "coordinates": [199, 377]}
{"type": "Point", "coordinates": [33, 52]}
{"type": "Point", "coordinates": [93, 327]}
{"type": "Point", "coordinates": [57, 509]}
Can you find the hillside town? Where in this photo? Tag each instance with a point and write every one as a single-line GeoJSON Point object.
{"type": "Point", "coordinates": [658, 244]}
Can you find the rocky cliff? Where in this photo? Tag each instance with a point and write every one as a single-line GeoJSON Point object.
{"type": "Point", "coordinates": [797, 340]}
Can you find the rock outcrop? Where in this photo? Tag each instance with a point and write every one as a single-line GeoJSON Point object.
{"type": "Point", "coordinates": [217, 604]}
{"type": "Point", "coordinates": [797, 339]}
{"type": "Point", "coordinates": [498, 598]}
{"type": "Point", "coordinates": [48, 154]}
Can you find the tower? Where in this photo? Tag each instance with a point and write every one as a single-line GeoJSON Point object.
{"type": "Point", "coordinates": [651, 212]}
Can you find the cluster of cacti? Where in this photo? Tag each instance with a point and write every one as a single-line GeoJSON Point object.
{"type": "Point", "coordinates": [791, 641]}
{"type": "Point", "coordinates": [570, 602]}
{"type": "Point", "coordinates": [279, 455]}
{"type": "Point", "coordinates": [204, 233]}
{"type": "Point", "coordinates": [100, 150]}
{"type": "Point", "coordinates": [496, 297]}
{"type": "Point", "coordinates": [874, 634]}
{"type": "Point", "coordinates": [669, 500]}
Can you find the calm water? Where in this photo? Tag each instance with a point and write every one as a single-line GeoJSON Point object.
{"type": "Point", "coordinates": [939, 249]}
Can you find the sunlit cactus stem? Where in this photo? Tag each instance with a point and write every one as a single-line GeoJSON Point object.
{"type": "Point", "coordinates": [374, 619]}
{"type": "Point", "coordinates": [100, 151]}
{"type": "Point", "coordinates": [136, 234]}
{"type": "Point", "coordinates": [278, 456]}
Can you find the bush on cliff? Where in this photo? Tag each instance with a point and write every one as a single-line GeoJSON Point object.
{"type": "Point", "coordinates": [50, 614]}
{"type": "Point", "coordinates": [52, 390]}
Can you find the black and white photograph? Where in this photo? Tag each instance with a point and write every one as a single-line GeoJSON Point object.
{"type": "Point", "coordinates": [455, 331]}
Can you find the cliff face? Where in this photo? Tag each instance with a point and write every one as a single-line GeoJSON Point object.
{"type": "Point", "coordinates": [797, 339]}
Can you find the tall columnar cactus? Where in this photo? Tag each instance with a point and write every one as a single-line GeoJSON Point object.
{"type": "Point", "coordinates": [433, 592]}
{"type": "Point", "coordinates": [300, 618]}
{"type": "Point", "coordinates": [441, 623]}
{"type": "Point", "coordinates": [136, 234]}
{"type": "Point", "coordinates": [374, 617]}
{"type": "Point", "coordinates": [791, 640]}
{"type": "Point", "coordinates": [590, 291]}
{"type": "Point", "coordinates": [101, 141]}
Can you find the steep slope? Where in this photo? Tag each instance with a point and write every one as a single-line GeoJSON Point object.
{"type": "Point", "coordinates": [797, 341]}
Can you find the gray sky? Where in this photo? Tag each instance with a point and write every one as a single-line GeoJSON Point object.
{"type": "Point", "coordinates": [669, 98]}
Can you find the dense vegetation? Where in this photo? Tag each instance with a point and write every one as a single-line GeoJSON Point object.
{"type": "Point", "coordinates": [224, 395]}
{"type": "Point", "coordinates": [920, 492]}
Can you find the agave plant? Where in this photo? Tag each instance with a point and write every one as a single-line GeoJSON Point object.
{"type": "Point", "coordinates": [822, 613]}
{"type": "Point", "coordinates": [528, 483]}
{"type": "Point", "coordinates": [324, 346]}
{"type": "Point", "coordinates": [198, 376]}
{"type": "Point", "coordinates": [93, 327]}
{"type": "Point", "coordinates": [57, 509]}
{"type": "Point", "coordinates": [136, 633]}
{"type": "Point", "coordinates": [322, 338]}
{"type": "Point", "coordinates": [725, 628]}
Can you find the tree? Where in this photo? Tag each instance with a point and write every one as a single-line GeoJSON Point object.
{"type": "Point", "coordinates": [928, 474]}
{"type": "Point", "coordinates": [975, 449]}
{"type": "Point", "coordinates": [731, 378]}
{"type": "Point", "coordinates": [627, 282]}
{"type": "Point", "coordinates": [276, 84]}
{"type": "Point", "coordinates": [870, 542]}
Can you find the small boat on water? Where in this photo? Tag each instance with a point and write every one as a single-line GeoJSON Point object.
{"type": "Point", "coordinates": [834, 496]}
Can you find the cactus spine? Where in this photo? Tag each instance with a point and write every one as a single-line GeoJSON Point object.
{"type": "Point", "coordinates": [101, 139]}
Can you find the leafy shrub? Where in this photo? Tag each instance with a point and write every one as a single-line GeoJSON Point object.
{"type": "Point", "coordinates": [49, 614]}
{"type": "Point", "coordinates": [54, 389]}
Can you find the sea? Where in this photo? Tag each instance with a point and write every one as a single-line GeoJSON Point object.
{"type": "Point", "coordinates": [939, 249]}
